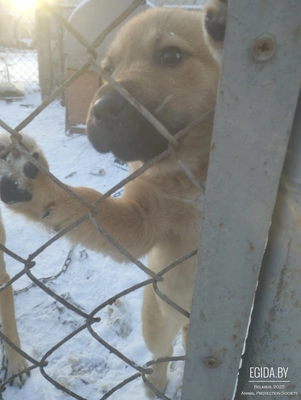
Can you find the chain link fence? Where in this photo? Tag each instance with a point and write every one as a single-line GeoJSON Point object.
{"type": "Point", "coordinates": [220, 317]}
{"type": "Point", "coordinates": [89, 319]}
{"type": "Point", "coordinates": [18, 55]}
{"type": "Point", "coordinates": [19, 65]}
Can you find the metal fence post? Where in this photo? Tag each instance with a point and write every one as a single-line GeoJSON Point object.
{"type": "Point", "coordinates": [274, 338]}
{"type": "Point", "coordinates": [257, 98]}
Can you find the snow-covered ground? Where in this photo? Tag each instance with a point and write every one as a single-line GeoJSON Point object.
{"type": "Point", "coordinates": [82, 364]}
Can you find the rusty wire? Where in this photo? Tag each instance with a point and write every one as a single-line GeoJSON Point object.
{"type": "Point", "coordinates": [91, 211]}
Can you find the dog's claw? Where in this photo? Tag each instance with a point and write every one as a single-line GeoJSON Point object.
{"type": "Point", "coordinates": [21, 381]}
{"type": "Point", "coordinates": [21, 378]}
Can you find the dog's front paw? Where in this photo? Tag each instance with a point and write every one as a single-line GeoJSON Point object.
{"type": "Point", "coordinates": [158, 379]}
{"type": "Point", "coordinates": [17, 172]}
{"type": "Point", "coordinates": [15, 364]}
{"type": "Point", "coordinates": [214, 25]}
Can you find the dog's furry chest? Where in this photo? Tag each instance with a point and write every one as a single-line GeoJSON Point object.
{"type": "Point", "coordinates": [178, 282]}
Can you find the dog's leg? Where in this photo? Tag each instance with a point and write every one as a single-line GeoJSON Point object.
{"type": "Point", "coordinates": [159, 332]}
{"type": "Point", "coordinates": [136, 221]}
{"type": "Point", "coordinates": [16, 363]}
{"type": "Point", "coordinates": [214, 26]}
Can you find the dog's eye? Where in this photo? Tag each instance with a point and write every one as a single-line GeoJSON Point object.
{"type": "Point", "coordinates": [171, 56]}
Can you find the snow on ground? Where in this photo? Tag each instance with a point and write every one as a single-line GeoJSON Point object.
{"type": "Point", "coordinates": [82, 364]}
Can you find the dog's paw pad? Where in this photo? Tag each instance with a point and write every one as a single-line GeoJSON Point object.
{"type": "Point", "coordinates": [30, 170]}
{"type": "Point", "coordinates": [17, 172]}
{"type": "Point", "coordinates": [10, 191]}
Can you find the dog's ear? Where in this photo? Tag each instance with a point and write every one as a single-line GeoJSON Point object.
{"type": "Point", "coordinates": [214, 26]}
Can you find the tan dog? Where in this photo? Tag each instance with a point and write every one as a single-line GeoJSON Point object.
{"type": "Point", "coordinates": [16, 363]}
{"type": "Point", "coordinates": [167, 61]}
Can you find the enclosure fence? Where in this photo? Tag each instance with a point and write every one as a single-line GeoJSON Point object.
{"type": "Point", "coordinates": [18, 56]}
{"type": "Point", "coordinates": [29, 263]}
{"type": "Point", "coordinates": [219, 324]}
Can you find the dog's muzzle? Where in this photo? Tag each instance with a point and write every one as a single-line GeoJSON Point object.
{"type": "Point", "coordinates": [114, 125]}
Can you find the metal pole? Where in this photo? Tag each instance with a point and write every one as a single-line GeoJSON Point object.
{"type": "Point", "coordinates": [255, 109]}
{"type": "Point", "coordinates": [274, 341]}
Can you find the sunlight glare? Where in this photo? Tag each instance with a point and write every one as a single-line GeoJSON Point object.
{"type": "Point", "coordinates": [22, 4]}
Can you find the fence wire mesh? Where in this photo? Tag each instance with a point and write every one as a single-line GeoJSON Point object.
{"type": "Point", "coordinates": [18, 55]}
{"type": "Point", "coordinates": [89, 319]}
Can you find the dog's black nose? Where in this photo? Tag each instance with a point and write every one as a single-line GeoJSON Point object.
{"type": "Point", "coordinates": [108, 107]}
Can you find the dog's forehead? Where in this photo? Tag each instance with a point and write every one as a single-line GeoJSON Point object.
{"type": "Point", "coordinates": [157, 28]}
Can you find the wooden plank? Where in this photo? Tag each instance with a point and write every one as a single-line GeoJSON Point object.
{"type": "Point", "coordinates": [79, 96]}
